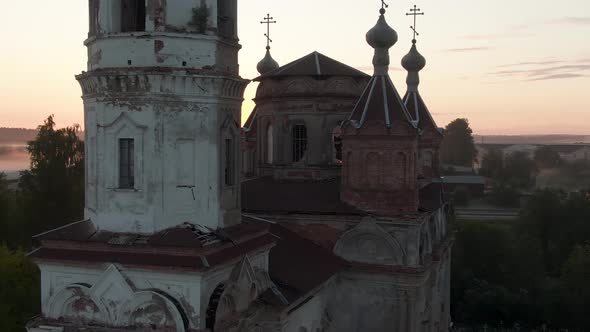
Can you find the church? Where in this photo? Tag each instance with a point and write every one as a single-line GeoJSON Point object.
{"type": "Point", "coordinates": [324, 212]}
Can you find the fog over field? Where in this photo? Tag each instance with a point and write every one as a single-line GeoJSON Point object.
{"type": "Point", "coordinates": [13, 157]}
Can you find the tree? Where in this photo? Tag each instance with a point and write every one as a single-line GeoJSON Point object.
{"type": "Point", "coordinates": [547, 157]}
{"type": "Point", "coordinates": [504, 195]}
{"type": "Point", "coordinates": [19, 290]}
{"type": "Point", "coordinates": [542, 218]}
{"type": "Point", "coordinates": [519, 170]}
{"type": "Point", "coordinates": [576, 279]}
{"type": "Point", "coordinates": [492, 164]}
{"type": "Point", "coordinates": [458, 147]}
{"type": "Point", "coordinates": [52, 191]}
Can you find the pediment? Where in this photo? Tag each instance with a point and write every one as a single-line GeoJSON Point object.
{"type": "Point", "coordinates": [111, 291]}
{"type": "Point", "coordinates": [123, 120]}
{"type": "Point", "coordinates": [369, 243]}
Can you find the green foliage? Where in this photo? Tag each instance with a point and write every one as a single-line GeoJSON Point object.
{"type": "Point", "coordinates": [458, 147]}
{"type": "Point", "coordinates": [52, 191]}
{"type": "Point", "coordinates": [19, 290]}
{"type": "Point", "coordinates": [534, 271]}
{"type": "Point", "coordinates": [547, 157]}
{"type": "Point", "coordinates": [200, 18]}
{"type": "Point", "coordinates": [492, 164]}
{"type": "Point", "coordinates": [504, 195]}
{"type": "Point", "coordinates": [519, 170]}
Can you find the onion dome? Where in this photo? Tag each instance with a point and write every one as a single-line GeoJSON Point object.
{"type": "Point", "coordinates": [381, 37]}
{"type": "Point", "coordinates": [380, 102]}
{"type": "Point", "coordinates": [413, 61]}
{"type": "Point", "coordinates": [267, 64]}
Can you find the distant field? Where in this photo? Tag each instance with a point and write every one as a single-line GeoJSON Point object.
{"type": "Point", "coordinates": [556, 178]}
{"type": "Point", "coordinates": [532, 139]}
{"type": "Point", "coordinates": [13, 158]}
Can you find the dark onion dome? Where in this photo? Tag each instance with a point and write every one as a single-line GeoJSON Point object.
{"type": "Point", "coordinates": [380, 102]}
{"type": "Point", "coordinates": [413, 61]}
{"type": "Point", "coordinates": [381, 35]}
{"type": "Point", "coordinates": [267, 64]}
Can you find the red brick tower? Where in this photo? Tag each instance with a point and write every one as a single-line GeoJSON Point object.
{"type": "Point", "coordinates": [380, 140]}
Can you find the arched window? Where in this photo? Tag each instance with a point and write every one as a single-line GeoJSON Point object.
{"type": "Point", "coordinates": [229, 169]}
{"type": "Point", "coordinates": [372, 166]}
{"type": "Point", "coordinates": [299, 142]}
{"type": "Point", "coordinates": [347, 166]}
{"type": "Point", "coordinates": [402, 176]}
{"type": "Point", "coordinates": [427, 159]}
{"type": "Point", "coordinates": [269, 144]}
{"type": "Point", "coordinates": [337, 140]}
{"type": "Point", "coordinates": [226, 18]}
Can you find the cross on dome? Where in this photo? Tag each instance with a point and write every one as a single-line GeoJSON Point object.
{"type": "Point", "coordinates": [268, 20]}
{"type": "Point", "coordinates": [267, 64]}
{"type": "Point", "coordinates": [414, 12]}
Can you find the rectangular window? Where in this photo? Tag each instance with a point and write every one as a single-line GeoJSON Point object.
{"type": "Point", "coordinates": [93, 19]}
{"type": "Point", "coordinates": [133, 15]}
{"type": "Point", "coordinates": [229, 162]}
{"type": "Point", "coordinates": [126, 163]}
{"type": "Point", "coordinates": [299, 142]}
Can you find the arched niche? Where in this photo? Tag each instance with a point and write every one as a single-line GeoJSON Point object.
{"type": "Point", "coordinates": [369, 243]}
{"type": "Point", "coordinates": [75, 302]}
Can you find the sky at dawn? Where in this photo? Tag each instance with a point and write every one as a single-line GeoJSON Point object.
{"type": "Point", "coordinates": [509, 66]}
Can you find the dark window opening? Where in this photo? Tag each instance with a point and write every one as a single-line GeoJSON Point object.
{"type": "Point", "coordinates": [229, 162]}
{"type": "Point", "coordinates": [299, 142]}
{"type": "Point", "coordinates": [93, 19]}
{"type": "Point", "coordinates": [133, 15]}
{"type": "Point", "coordinates": [338, 147]}
{"type": "Point", "coordinates": [126, 163]}
{"type": "Point", "coordinates": [225, 21]}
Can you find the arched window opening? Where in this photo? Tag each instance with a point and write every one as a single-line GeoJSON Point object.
{"type": "Point", "coordinates": [373, 165]}
{"type": "Point", "coordinates": [229, 170]}
{"type": "Point", "coordinates": [337, 141]}
{"type": "Point", "coordinates": [211, 315]}
{"type": "Point", "coordinates": [132, 15]}
{"type": "Point", "coordinates": [269, 144]}
{"type": "Point", "coordinates": [93, 6]}
{"type": "Point", "coordinates": [402, 176]}
{"type": "Point", "coordinates": [347, 166]}
{"type": "Point", "coordinates": [225, 19]}
{"type": "Point", "coordinates": [299, 142]}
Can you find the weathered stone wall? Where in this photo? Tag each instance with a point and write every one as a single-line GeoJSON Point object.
{"type": "Point", "coordinates": [319, 104]}
{"type": "Point", "coordinates": [179, 123]}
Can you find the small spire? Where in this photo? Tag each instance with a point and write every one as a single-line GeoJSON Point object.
{"type": "Point", "coordinates": [267, 64]}
{"type": "Point", "coordinates": [381, 37]}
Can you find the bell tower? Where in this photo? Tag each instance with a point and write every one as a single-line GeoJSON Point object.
{"type": "Point", "coordinates": [162, 105]}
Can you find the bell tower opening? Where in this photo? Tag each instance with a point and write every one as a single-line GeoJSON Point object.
{"type": "Point", "coordinates": [132, 15]}
{"type": "Point", "coordinates": [226, 18]}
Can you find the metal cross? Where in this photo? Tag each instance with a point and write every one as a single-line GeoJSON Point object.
{"type": "Point", "coordinates": [414, 12]}
{"type": "Point", "coordinates": [268, 21]}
